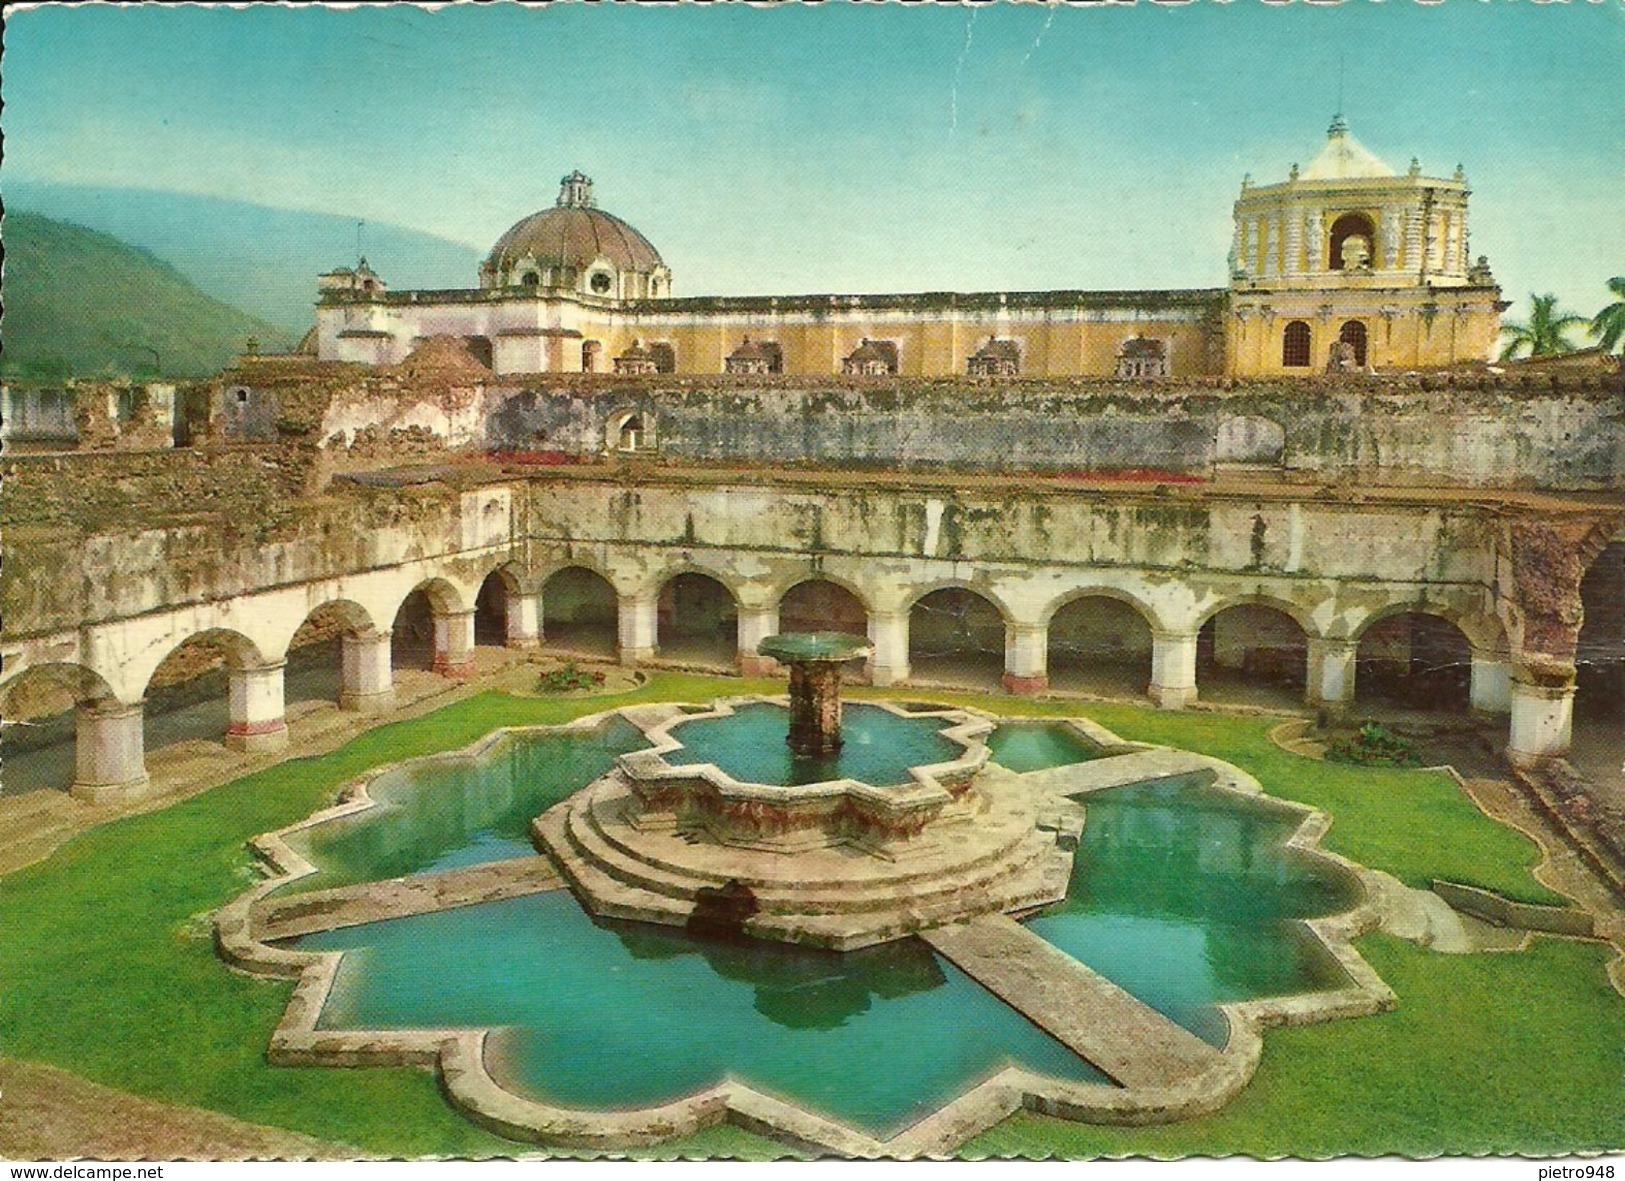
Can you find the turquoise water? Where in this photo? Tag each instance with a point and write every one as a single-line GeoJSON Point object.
{"type": "Point", "coordinates": [613, 1015]}
{"type": "Point", "coordinates": [1181, 893]}
{"type": "Point", "coordinates": [458, 812]}
{"type": "Point", "coordinates": [1038, 746]}
{"type": "Point", "coordinates": [1184, 895]}
{"type": "Point", "coordinates": [879, 747]}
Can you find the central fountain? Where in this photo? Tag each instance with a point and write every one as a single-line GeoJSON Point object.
{"type": "Point", "coordinates": [826, 848]}
{"type": "Point", "coordinates": [814, 660]}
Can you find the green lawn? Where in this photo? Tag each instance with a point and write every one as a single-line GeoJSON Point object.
{"type": "Point", "coordinates": [106, 969]}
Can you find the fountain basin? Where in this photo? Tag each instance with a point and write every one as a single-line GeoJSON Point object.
{"type": "Point", "coordinates": [836, 863]}
{"type": "Point", "coordinates": [886, 820]}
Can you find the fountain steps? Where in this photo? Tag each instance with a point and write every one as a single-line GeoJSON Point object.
{"type": "Point", "coordinates": [989, 834]}
{"type": "Point", "coordinates": [1005, 875]}
{"type": "Point", "coordinates": [832, 880]}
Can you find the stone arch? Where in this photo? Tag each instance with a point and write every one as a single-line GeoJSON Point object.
{"type": "Point", "coordinates": [580, 612]}
{"type": "Point", "coordinates": [1350, 225]}
{"type": "Point", "coordinates": [956, 635]}
{"type": "Point", "coordinates": [412, 631]}
{"type": "Point", "coordinates": [1355, 334]}
{"type": "Point", "coordinates": [1099, 640]}
{"type": "Point", "coordinates": [1413, 659]}
{"type": "Point", "coordinates": [629, 431]}
{"type": "Point", "coordinates": [800, 607]}
{"type": "Point", "coordinates": [697, 619]}
{"type": "Point", "coordinates": [39, 734]}
{"type": "Point", "coordinates": [315, 651]}
{"type": "Point", "coordinates": [187, 693]}
{"type": "Point", "coordinates": [1483, 631]}
{"type": "Point", "coordinates": [1303, 616]}
{"type": "Point", "coordinates": [1255, 651]}
{"type": "Point", "coordinates": [1121, 594]}
{"type": "Point", "coordinates": [495, 604]}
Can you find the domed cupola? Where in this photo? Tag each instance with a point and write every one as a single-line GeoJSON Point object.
{"type": "Point", "coordinates": [578, 248]}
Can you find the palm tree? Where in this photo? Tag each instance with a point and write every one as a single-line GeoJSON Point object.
{"type": "Point", "coordinates": [1608, 325]}
{"type": "Point", "coordinates": [1543, 333]}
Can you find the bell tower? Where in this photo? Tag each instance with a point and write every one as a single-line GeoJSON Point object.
{"type": "Point", "coordinates": [1366, 268]}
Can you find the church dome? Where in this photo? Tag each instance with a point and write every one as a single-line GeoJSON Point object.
{"type": "Point", "coordinates": [574, 245]}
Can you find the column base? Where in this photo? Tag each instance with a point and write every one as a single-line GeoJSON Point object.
{"type": "Point", "coordinates": [252, 737]}
{"type": "Point", "coordinates": [881, 675]}
{"type": "Point", "coordinates": [463, 670]}
{"type": "Point", "coordinates": [1025, 686]}
{"type": "Point", "coordinates": [525, 643]}
{"type": "Point", "coordinates": [631, 656]}
{"type": "Point", "coordinates": [111, 793]}
{"type": "Point", "coordinates": [753, 664]}
{"type": "Point", "coordinates": [1173, 697]}
{"type": "Point", "coordinates": [368, 703]}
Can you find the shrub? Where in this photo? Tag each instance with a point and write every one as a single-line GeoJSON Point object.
{"type": "Point", "coordinates": [1373, 745]}
{"type": "Point", "coordinates": [569, 679]}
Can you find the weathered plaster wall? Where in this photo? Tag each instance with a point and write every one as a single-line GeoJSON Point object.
{"type": "Point", "coordinates": [1394, 433]}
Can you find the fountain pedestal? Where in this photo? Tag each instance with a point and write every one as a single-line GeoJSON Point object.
{"type": "Point", "coordinates": [814, 660]}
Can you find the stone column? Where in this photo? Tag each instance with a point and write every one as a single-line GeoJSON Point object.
{"type": "Point", "coordinates": [454, 644]}
{"type": "Point", "coordinates": [1542, 720]}
{"type": "Point", "coordinates": [1491, 681]}
{"type": "Point", "coordinates": [1026, 653]}
{"type": "Point", "coordinates": [523, 615]}
{"type": "Point", "coordinates": [1330, 684]}
{"type": "Point", "coordinates": [889, 635]}
{"type": "Point", "coordinates": [256, 701]}
{"type": "Point", "coordinates": [815, 707]}
{"type": "Point", "coordinates": [108, 752]}
{"type": "Point", "coordinates": [367, 682]}
{"type": "Point", "coordinates": [636, 627]}
{"type": "Point", "coordinates": [755, 625]}
{"type": "Point", "coordinates": [1173, 669]}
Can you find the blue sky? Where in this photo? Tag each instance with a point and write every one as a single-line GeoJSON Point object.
{"type": "Point", "coordinates": [848, 148]}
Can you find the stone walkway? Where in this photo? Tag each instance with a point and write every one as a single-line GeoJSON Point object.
{"type": "Point", "coordinates": [284, 917]}
{"type": "Point", "coordinates": [1126, 1039]}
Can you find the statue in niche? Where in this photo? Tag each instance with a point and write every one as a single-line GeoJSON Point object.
{"type": "Point", "coordinates": [1356, 251]}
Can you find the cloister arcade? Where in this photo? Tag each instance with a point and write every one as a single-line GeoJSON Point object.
{"type": "Point", "coordinates": [1033, 629]}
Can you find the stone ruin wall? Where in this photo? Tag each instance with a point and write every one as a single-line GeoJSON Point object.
{"type": "Point", "coordinates": [1418, 433]}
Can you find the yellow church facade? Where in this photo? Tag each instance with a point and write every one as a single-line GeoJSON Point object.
{"type": "Point", "coordinates": [1346, 266]}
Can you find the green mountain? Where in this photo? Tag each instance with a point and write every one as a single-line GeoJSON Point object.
{"type": "Point", "coordinates": [80, 303]}
{"type": "Point", "coordinates": [262, 259]}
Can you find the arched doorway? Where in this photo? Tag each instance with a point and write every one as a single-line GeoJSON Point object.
{"type": "Point", "coordinates": [956, 637]}
{"type": "Point", "coordinates": [1252, 654]}
{"type": "Point", "coordinates": [579, 613]}
{"type": "Point", "coordinates": [818, 605]}
{"type": "Point", "coordinates": [1598, 749]}
{"type": "Point", "coordinates": [697, 621]}
{"type": "Point", "coordinates": [37, 737]}
{"type": "Point", "coordinates": [1099, 645]}
{"type": "Point", "coordinates": [1414, 661]}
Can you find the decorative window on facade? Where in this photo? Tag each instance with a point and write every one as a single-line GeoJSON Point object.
{"type": "Point", "coordinates": [1295, 346]}
{"type": "Point", "coordinates": [1142, 358]}
{"type": "Point", "coordinates": [996, 358]}
{"type": "Point", "coordinates": [755, 357]}
{"type": "Point", "coordinates": [589, 356]}
{"type": "Point", "coordinates": [636, 360]}
{"type": "Point", "coordinates": [872, 358]}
